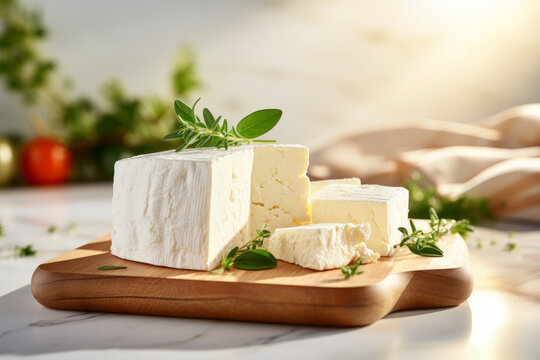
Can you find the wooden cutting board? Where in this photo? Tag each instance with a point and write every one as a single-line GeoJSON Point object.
{"type": "Point", "coordinates": [285, 294]}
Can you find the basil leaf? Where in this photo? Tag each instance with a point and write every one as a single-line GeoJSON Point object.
{"type": "Point", "coordinates": [258, 123]}
{"type": "Point", "coordinates": [111, 267]}
{"type": "Point", "coordinates": [255, 259]}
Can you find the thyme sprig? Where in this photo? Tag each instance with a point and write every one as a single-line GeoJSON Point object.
{"type": "Point", "coordinates": [425, 243]}
{"type": "Point", "coordinates": [248, 256]}
{"type": "Point", "coordinates": [351, 270]}
{"type": "Point", "coordinates": [215, 132]}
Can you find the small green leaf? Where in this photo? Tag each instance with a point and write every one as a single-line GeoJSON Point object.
{"type": "Point", "coordinates": [432, 251]}
{"type": "Point", "coordinates": [182, 147]}
{"type": "Point", "coordinates": [193, 115]}
{"type": "Point", "coordinates": [511, 246]}
{"type": "Point", "coordinates": [433, 214]}
{"type": "Point", "coordinates": [217, 271]}
{"type": "Point", "coordinates": [208, 118]}
{"type": "Point", "coordinates": [256, 259]}
{"type": "Point", "coordinates": [227, 262]}
{"type": "Point", "coordinates": [225, 126]}
{"type": "Point", "coordinates": [265, 233]}
{"type": "Point", "coordinates": [172, 136]}
{"type": "Point", "coordinates": [462, 228]}
{"type": "Point", "coordinates": [413, 228]}
{"type": "Point", "coordinates": [404, 240]}
{"type": "Point", "coordinates": [111, 267]}
{"type": "Point", "coordinates": [351, 270]}
{"type": "Point", "coordinates": [182, 110]}
{"type": "Point", "coordinates": [258, 123]}
{"type": "Point", "coordinates": [346, 271]}
{"type": "Point", "coordinates": [52, 229]}
{"type": "Point", "coordinates": [233, 252]}
{"type": "Point", "coordinates": [403, 230]}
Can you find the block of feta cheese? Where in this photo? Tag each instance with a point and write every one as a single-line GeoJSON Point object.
{"type": "Point", "coordinates": [384, 208]}
{"type": "Point", "coordinates": [279, 187]}
{"type": "Point", "coordinates": [322, 246]}
{"type": "Point", "coordinates": [181, 209]}
{"type": "Point", "coordinates": [321, 184]}
{"type": "Point", "coordinates": [186, 209]}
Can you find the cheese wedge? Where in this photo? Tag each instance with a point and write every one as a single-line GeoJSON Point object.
{"type": "Point", "coordinates": [321, 184]}
{"type": "Point", "coordinates": [322, 246]}
{"type": "Point", "coordinates": [186, 209]}
{"type": "Point", "coordinates": [384, 208]}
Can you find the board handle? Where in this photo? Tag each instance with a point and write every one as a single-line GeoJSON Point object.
{"type": "Point", "coordinates": [436, 288]}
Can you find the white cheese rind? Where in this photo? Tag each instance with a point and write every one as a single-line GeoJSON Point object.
{"type": "Point", "coordinates": [384, 208]}
{"type": "Point", "coordinates": [321, 184]}
{"type": "Point", "coordinates": [181, 210]}
{"type": "Point", "coordinates": [279, 186]}
{"type": "Point", "coordinates": [322, 246]}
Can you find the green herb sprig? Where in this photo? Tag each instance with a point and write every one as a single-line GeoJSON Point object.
{"type": "Point", "coordinates": [425, 243]}
{"type": "Point", "coordinates": [423, 196]}
{"type": "Point", "coordinates": [25, 251]}
{"type": "Point", "coordinates": [352, 270]}
{"type": "Point", "coordinates": [1, 230]}
{"type": "Point", "coordinates": [213, 132]}
{"type": "Point", "coordinates": [248, 256]}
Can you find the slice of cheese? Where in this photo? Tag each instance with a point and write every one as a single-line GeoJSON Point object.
{"type": "Point", "coordinates": [279, 187]}
{"type": "Point", "coordinates": [187, 209]}
{"type": "Point", "coordinates": [384, 208]}
{"type": "Point", "coordinates": [321, 184]}
{"type": "Point", "coordinates": [322, 246]}
{"type": "Point", "coordinates": [181, 209]}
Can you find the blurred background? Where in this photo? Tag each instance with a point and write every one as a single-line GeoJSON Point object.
{"type": "Point", "coordinates": [395, 92]}
{"type": "Point", "coordinates": [93, 82]}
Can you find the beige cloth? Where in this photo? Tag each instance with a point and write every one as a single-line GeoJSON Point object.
{"type": "Point", "coordinates": [498, 158]}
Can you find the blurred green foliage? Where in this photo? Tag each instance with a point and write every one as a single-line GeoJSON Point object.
{"type": "Point", "coordinates": [423, 196]}
{"type": "Point", "coordinates": [23, 68]}
{"type": "Point", "coordinates": [98, 132]}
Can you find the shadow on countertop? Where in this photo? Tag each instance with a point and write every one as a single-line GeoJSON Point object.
{"type": "Point", "coordinates": [28, 328]}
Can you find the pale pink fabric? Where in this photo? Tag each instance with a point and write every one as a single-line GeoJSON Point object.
{"type": "Point", "coordinates": [498, 158]}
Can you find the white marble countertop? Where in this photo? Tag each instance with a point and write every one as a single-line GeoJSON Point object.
{"type": "Point", "coordinates": [501, 319]}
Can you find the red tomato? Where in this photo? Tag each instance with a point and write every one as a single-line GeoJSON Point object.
{"type": "Point", "coordinates": [46, 161]}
